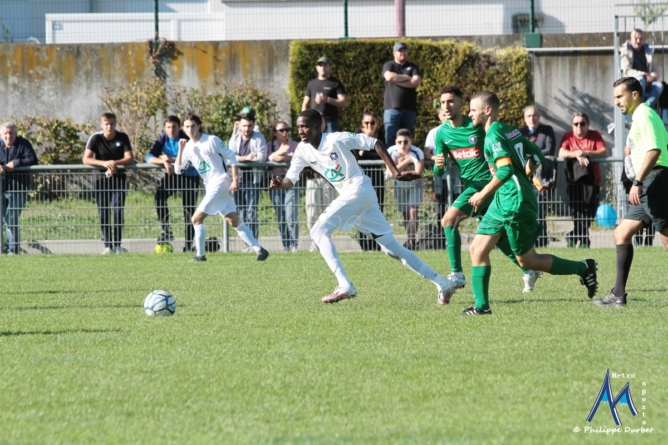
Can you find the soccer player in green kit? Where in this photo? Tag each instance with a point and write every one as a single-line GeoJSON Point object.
{"type": "Point", "coordinates": [513, 213]}
{"type": "Point", "coordinates": [464, 143]}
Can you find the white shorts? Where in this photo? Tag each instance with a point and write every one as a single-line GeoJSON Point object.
{"type": "Point", "coordinates": [357, 207]}
{"type": "Point", "coordinates": [217, 199]}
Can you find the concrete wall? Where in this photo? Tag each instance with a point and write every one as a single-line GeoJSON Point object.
{"type": "Point", "coordinates": [66, 80]}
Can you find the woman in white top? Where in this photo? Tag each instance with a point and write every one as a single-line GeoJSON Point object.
{"type": "Point", "coordinates": [286, 202]}
{"type": "Point", "coordinates": [208, 154]}
{"type": "Point", "coordinates": [409, 195]}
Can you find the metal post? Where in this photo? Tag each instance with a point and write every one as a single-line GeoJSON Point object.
{"type": "Point", "coordinates": [400, 17]}
{"type": "Point", "coordinates": [531, 27]}
{"type": "Point", "coordinates": [345, 19]}
{"type": "Point", "coordinates": [226, 236]}
{"type": "Point", "coordinates": [157, 33]}
{"type": "Point", "coordinates": [620, 134]}
{"type": "Point", "coordinates": [2, 212]}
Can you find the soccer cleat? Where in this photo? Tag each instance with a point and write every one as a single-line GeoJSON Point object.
{"type": "Point", "coordinates": [445, 292]}
{"type": "Point", "coordinates": [197, 259]}
{"type": "Point", "coordinates": [118, 250]}
{"type": "Point", "coordinates": [475, 311]}
{"type": "Point", "coordinates": [107, 251]}
{"type": "Point", "coordinates": [589, 278]}
{"type": "Point", "coordinates": [458, 278]}
{"type": "Point", "coordinates": [314, 247]}
{"type": "Point", "coordinates": [340, 293]}
{"type": "Point", "coordinates": [530, 280]}
{"type": "Point", "coordinates": [262, 254]}
{"type": "Point", "coordinates": [611, 300]}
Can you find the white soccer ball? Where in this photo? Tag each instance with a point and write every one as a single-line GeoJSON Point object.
{"type": "Point", "coordinates": [160, 302]}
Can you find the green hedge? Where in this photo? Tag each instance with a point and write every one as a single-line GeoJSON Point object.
{"type": "Point", "coordinates": [358, 64]}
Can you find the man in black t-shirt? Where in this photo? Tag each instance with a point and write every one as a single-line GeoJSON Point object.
{"type": "Point", "coordinates": [108, 149]}
{"type": "Point", "coordinates": [326, 94]}
{"type": "Point", "coordinates": [401, 80]}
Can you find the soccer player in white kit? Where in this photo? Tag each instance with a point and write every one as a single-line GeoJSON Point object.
{"type": "Point", "coordinates": [330, 155]}
{"type": "Point", "coordinates": [208, 154]}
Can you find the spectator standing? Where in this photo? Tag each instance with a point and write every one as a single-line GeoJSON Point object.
{"type": "Point", "coordinates": [164, 152]}
{"type": "Point", "coordinates": [400, 102]}
{"type": "Point", "coordinates": [637, 60]}
{"type": "Point", "coordinates": [649, 192]}
{"type": "Point", "coordinates": [286, 202]}
{"type": "Point", "coordinates": [250, 146]}
{"type": "Point", "coordinates": [107, 150]}
{"type": "Point", "coordinates": [543, 136]}
{"type": "Point", "coordinates": [15, 151]}
{"type": "Point", "coordinates": [371, 126]}
{"type": "Point", "coordinates": [409, 195]}
{"type": "Point", "coordinates": [326, 94]}
{"type": "Point", "coordinates": [582, 176]}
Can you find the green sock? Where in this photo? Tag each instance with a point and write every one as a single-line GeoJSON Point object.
{"type": "Point", "coordinates": [480, 284]}
{"type": "Point", "coordinates": [504, 247]}
{"type": "Point", "coordinates": [561, 266]}
{"type": "Point", "coordinates": [454, 247]}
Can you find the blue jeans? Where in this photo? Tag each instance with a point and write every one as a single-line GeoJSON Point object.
{"type": "Point", "coordinates": [14, 203]}
{"type": "Point", "coordinates": [286, 206]}
{"type": "Point", "coordinates": [332, 127]}
{"type": "Point", "coordinates": [651, 96]}
{"type": "Point", "coordinates": [395, 120]}
{"type": "Point", "coordinates": [247, 200]}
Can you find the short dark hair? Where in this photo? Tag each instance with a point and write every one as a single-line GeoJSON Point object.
{"type": "Point", "coordinates": [488, 98]}
{"type": "Point", "coordinates": [632, 84]}
{"type": "Point", "coordinates": [108, 116]}
{"type": "Point", "coordinates": [313, 117]}
{"type": "Point", "coordinates": [451, 89]}
{"type": "Point", "coordinates": [173, 119]}
{"type": "Point", "coordinates": [195, 118]}
{"type": "Point", "coordinates": [404, 132]}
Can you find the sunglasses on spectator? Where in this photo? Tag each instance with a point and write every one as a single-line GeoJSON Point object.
{"type": "Point", "coordinates": [580, 124]}
{"type": "Point", "coordinates": [283, 130]}
{"type": "Point", "coordinates": [369, 122]}
{"type": "Point", "coordinates": [402, 142]}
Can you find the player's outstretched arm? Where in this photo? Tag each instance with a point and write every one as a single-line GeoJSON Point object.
{"type": "Point", "coordinates": [280, 183]}
{"type": "Point", "coordinates": [392, 167]}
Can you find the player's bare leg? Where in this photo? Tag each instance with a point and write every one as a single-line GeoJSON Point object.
{"type": "Point", "coordinates": [247, 236]}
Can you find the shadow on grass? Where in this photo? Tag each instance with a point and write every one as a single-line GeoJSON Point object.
{"type": "Point", "coordinates": [87, 291]}
{"type": "Point", "coordinates": [75, 306]}
{"type": "Point", "coordinates": [64, 331]}
{"type": "Point", "coordinates": [547, 300]}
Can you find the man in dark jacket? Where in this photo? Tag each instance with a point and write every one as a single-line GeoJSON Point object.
{"type": "Point", "coordinates": [164, 152]}
{"type": "Point", "coordinates": [15, 151]}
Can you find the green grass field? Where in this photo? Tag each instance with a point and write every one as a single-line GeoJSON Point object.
{"type": "Point", "coordinates": [253, 357]}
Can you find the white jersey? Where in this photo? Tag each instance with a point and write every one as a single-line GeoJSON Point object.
{"type": "Point", "coordinates": [430, 142]}
{"type": "Point", "coordinates": [208, 156]}
{"type": "Point", "coordinates": [415, 153]}
{"type": "Point", "coordinates": [333, 159]}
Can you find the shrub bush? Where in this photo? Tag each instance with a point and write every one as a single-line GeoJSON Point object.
{"type": "Point", "coordinates": [358, 64]}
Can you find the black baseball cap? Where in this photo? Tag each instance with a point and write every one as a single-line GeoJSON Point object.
{"type": "Point", "coordinates": [399, 46]}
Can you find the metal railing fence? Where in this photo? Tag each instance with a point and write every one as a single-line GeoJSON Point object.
{"type": "Point", "coordinates": [101, 21]}
{"type": "Point", "coordinates": [54, 209]}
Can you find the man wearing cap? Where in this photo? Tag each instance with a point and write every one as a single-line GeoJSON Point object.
{"type": "Point", "coordinates": [326, 94]}
{"type": "Point", "coordinates": [250, 146]}
{"type": "Point", "coordinates": [401, 80]}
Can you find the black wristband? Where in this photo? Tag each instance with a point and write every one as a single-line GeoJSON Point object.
{"type": "Point", "coordinates": [636, 182]}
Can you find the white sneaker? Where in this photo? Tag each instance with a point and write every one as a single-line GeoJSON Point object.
{"type": "Point", "coordinates": [118, 250]}
{"type": "Point", "coordinates": [314, 247]}
{"type": "Point", "coordinates": [446, 289]}
{"type": "Point", "coordinates": [340, 293]}
{"type": "Point", "coordinates": [530, 280]}
{"type": "Point", "coordinates": [458, 278]}
{"type": "Point", "coordinates": [294, 249]}
{"type": "Point", "coordinates": [107, 251]}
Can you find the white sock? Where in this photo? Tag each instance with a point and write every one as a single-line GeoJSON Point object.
{"type": "Point", "coordinates": [409, 259]}
{"type": "Point", "coordinates": [200, 239]}
{"type": "Point", "coordinates": [247, 236]}
{"type": "Point", "coordinates": [328, 252]}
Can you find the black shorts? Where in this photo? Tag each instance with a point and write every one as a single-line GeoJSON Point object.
{"type": "Point", "coordinates": [653, 208]}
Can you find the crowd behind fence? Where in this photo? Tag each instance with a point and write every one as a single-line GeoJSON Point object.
{"type": "Point", "coordinates": [101, 21]}
{"type": "Point", "coordinates": [61, 216]}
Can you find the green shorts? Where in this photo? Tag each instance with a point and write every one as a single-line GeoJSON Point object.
{"type": "Point", "coordinates": [462, 201]}
{"type": "Point", "coordinates": [521, 228]}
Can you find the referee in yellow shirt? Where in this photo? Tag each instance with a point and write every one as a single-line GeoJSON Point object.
{"type": "Point", "coordinates": [649, 193]}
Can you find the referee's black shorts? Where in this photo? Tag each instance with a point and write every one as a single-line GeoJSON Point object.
{"type": "Point", "coordinates": [653, 208]}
